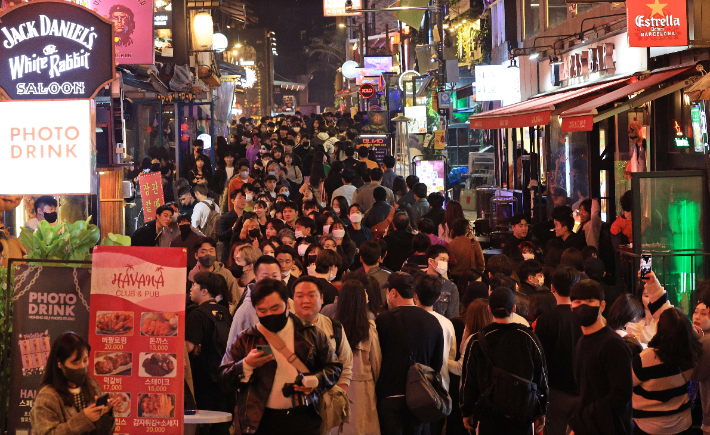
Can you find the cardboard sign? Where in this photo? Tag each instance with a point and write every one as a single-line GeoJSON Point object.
{"type": "Point", "coordinates": [51, 138]}
{"type": "Point", "coordinates": [151, 186]}
{"type": "Point", "coordinates": [48, 302]}
{"type": "Point", "coordinates": [54, 50]}
{"type": "Point", "coordinates": [137, 335]}
{"type": "Point", "coordinates": [657, 24]}
{"type": "Point", "coordinates": [133, 28]}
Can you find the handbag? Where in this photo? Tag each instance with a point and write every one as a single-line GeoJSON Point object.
{"type": "Point", "coordinates": [379, 230]}
{"type": "Point", "coordinates": [333, 405]}
{"type": "Point", "coordinates": [425, 394]}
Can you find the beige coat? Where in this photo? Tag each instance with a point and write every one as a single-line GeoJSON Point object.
{"type": "Point", "coordinates": [49, 415]}
{"type": "Point", "coordinates": [366, 369]}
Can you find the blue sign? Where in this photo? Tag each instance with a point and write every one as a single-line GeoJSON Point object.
{"type": "Point", "coordinates": [444, 100]}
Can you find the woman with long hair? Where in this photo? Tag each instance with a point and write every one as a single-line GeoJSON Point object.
{"type": "Point", "coordinates": [250, 232]}
{"type": "Point", "coordinates": [453, 212]}
{"type": "Point", "coordinates": [273, 227]}
{"type": "Point", "coordinates": [317, 177]}
{"type": "Point", "coordinates": [341, 208]}
{"type": "Point", "coordinates": [661, 375]}
{"type": "Point", "coordinates": [199, 174]}
{"type": "Point", "coordinates": [293, 172]}
{"type": "Point", "coordinates": [365, 344]}
{"type": "Point", "coordinates": [66, 399]}
{"type": "Point", "coordinates": [261, 208]}
{"type": "Point", "coordinates": [399, 188]}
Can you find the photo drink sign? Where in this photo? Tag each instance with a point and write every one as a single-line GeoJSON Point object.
{"type": "Point", "coordinates": [137, 335]}
{"type": "Point", "coordinates": [52, 50]}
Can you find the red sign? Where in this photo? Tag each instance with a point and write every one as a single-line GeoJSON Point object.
{"type": "Point", "coordinates": [656, 24]}
{"type": "Point", "coordinates": [151, 186]}
{"type": "Point", "coordinates": [482, 122]}
{"type": "Point", "coordinates": [578, 123]}
{"type": "Point", "coordinates": [367, 90]}
{"type": "Point", "coordinates": [137, 335]}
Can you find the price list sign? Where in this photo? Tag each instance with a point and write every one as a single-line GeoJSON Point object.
{"type": "Point", "coordinates": [137, 335]}
{"type": "Point", "coordinates": [151, 186]}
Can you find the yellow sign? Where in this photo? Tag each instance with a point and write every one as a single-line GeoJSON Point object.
{"type": "Point", "coordinates": [440, 139]}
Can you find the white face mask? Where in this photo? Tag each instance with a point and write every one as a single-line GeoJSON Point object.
{"type": "Point", "coordinates": [271, 254]}
{"type": "Point", "coordinates": [285, 275]}
{"type": "Point", "coordinates": [529, 256]}
{"type": "Point", "coordinates": [355, 218]}
{"type": "Point", "coordinates": [312, 270]}
{"type": "Point", "coordinates": [285, 193]}
{"type": "Point", "coordinates": [338, 234]}
{"type": "Point", "coordinates": [332, 276]}
{"type": "Point", "coordinates": [249, 197]}
{"type": "Point", "coordinates": [442, 267]}
{"type": "Point", "coordinates": [326, 228]}
{"type": "Point", "coordinates": [296, 129]}
{"type": "Point", "coordinates": [336, 210]}
{"type": "Point", "coordinates": [244, 174]}
{"type": "Point", "coordinates": [302, 250]}
{"type": "Point", "coordinates": [299, 234]}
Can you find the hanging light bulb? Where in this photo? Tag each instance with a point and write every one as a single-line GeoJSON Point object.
{"type": "Point", "coordinates": [203, 28]}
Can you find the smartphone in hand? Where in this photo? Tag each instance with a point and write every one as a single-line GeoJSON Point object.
{"type": "Point", "coordinates": [646, 261]}
{"type": "Point", "coordinates": [264, 348]}
{"type": "Point", "coordinates": [102, 400]}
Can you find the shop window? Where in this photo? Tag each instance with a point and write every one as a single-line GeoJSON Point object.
{"type": "Point", "coordinates": [568, 170]}
{"type": "Point", "coordinates": [556, 12]}
{"type": "Point", "coordinates": [584, 7]}
{"type": "Point", "coordinates": [531, 12]}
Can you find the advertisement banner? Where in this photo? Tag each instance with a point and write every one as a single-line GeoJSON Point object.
{"type": "Point", "coordinates": [54, 50]}
{"type": "Point", "coordinates": [133, 28]}
{"type": "Point", "coordinates": [657, 24]}
{"type": "Point", "coordinates": [379, 142]}
{"type": "Point", "coordinates": [55, 138]}
{"type": "Point", "coordinates": [336, 8]}
{"type": "Point", "coordinates": [376, 122]}
{"type": "Point", "coordinates": [48, 301]}
{"type": "Point", "coordinates": [137, 335]}
{"type": "Point", "coordinates": [151, 186]}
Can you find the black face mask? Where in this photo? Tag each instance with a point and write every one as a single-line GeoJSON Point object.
{"type": "Point", "coordinates": [254, 233]}
{"type": "Point", "coordinates": [51, 217]}
{"type": "Point", "coordinates": [185, 230]}
{"type": "Point", "coordinates": [207, 260]}
{"type": "Point", "coordinates": [76, 376]}
{"type": "Point", "coordinates": [585, 315]}
{"type": "Point", "coordinates": [275, 322]}
{"type": "Point", "coordinates": [237, 271]}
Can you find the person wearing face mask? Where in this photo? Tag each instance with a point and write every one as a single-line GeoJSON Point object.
{"type": "Point", "coordinates": [46, 210]}
{"type": "Point", "coordinates": [186, 239]}
{"type": "Point", "coordinates": [358, 234]}
{"type": "Point", "coordinates": [206, 255]}
{"type": "Point", "coordinates": [66, 397]}
{"type": "Point", "coordinates": [559, 332]}
{"type": "Point", "coordinates": [437, 258]}
{"type": "Point", "coordinates": [240, 179]}
{"type": "Point", "coordinates": [250, 193]}
{"type": "Point", "coordinates": [285, 255]}
{"type": "Point", "coordinates": [272, 396]}
{"type": "Point", "coordinates": [602, 367]}
{"type": "Point", "coordinates": [327, 263]}
{"type": "Point", "coordinates": [242, 267]}
{"type": "Point", "coordinates": [515, 351]}
{"type": "Point", "coordinates": [531, 276]}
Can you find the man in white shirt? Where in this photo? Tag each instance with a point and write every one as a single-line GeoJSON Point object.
{"type": "Point", "coordinates": [347, 190]}
{"type": "Point", "coordinates": [203, 207]}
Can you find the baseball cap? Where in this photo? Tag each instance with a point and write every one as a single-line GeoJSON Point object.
{"type": "Point", "coordinates": [501, 298]}
{"type": "Point", "coordinates": [403, 283]}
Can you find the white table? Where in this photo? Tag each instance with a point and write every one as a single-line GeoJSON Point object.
{"type": "Point", "coordinates": [205, 417]}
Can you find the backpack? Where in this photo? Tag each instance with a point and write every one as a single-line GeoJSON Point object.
{"type": "Point", "coordinates": [222, 321]}
{"type": "Point", "coordinates": [506, 393]}
{"type": "Point", "coordinates": [211, 225]}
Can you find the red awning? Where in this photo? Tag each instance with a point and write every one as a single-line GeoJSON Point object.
{"type": "Point", "coordinates": [581, 118]}
{"type": "Point", "coordinates": [536, 111]}
{"type": "Point", "coordinates": [347, 91]}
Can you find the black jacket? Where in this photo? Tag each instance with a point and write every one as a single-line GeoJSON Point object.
{"type": "Point", "coordinates": [331, 183]}
{"type": "Point", "coordinates": [225, 232]}
{"type": "Point", "coordinates": [311, 346]}
{"type": "Point", "coordinates": [436, 215]}
{"type": "Point", "coordinates": [399, 246]}
{"type": "Point", "coordinates": [376, 214]}
{"type": "Point", "coordinates": [515, 349]}
{"type": "Point", "coordinates": [147, 235]}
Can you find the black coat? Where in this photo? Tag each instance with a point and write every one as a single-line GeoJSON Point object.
{"type": "Point", "coordinates": [147, 235]}
{"type": "Point", "coordinates": [399, 246]}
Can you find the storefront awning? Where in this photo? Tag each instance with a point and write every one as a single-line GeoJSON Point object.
{"type": "Point", "coordinates": [583, 117]}
{"type": "Point", "coordinates": [536, 111]}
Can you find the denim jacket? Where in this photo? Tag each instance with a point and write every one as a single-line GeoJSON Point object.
{"type": "Point", "coordinates": [448, 303]}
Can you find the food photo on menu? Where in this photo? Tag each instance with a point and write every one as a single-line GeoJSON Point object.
{"type": "Point", "coordinates": [123, 409]}
{"type": "Point", "coordinates": [156, 405]}
{"type": "Point", "coordinates": [113, 363]}
{"type": "Point", "coordinates": [114, 323]}
{"type": "Point", "coordinates": [159, 324]}
{"type": "Point", "coordinates": [157, 365]}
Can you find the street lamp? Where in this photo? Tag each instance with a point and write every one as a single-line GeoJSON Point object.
{"type": "Point", "coordinates": [203, 27]}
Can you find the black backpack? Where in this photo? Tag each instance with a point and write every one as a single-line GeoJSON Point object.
{"type": "Point", "coordinates": [222, 321]}
{"type": "Point", "coordinates": [508, 394]}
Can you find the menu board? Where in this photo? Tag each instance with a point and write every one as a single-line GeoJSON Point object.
{"type": "Point", "coordinates": [151, 186]}
{"type": "Point", "coordinates": [137, 335]}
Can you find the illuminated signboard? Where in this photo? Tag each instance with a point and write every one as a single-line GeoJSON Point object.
{"type": "Point", "coordinates": [53, 138]}
{"type": "Point", "coordinates": [54, 50]}
{"type": "Point", "coordinates": [133, 24]}
{"type": "Point", "coordinates": [682, 142]}
{"type": "Point", "coordinates": [383, 63]}
{"type": "Point", "coordinates": [336, 8]}
{"type": "Point", "coordinates": [378, 142]}
{"type": "Point", "coordinates": [657, 24]}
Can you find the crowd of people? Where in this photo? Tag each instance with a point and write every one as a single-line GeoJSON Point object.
{"type": "Point", "coordinates": [318, 277]}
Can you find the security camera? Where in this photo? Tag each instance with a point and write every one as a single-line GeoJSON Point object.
{"type": "Point", "coordinates": [348, 5]}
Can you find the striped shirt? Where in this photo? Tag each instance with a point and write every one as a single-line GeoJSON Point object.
{"type": "Point", "coordinates": [660, 397]}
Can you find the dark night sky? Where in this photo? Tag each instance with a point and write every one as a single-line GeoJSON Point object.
{"type": "Point", "coordinates": [289, 19]}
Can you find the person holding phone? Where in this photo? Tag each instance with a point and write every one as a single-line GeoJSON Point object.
{"type": "Point", "coordinates": [655, 302]}
{"type": "Point", "coordinates": [67, 399]}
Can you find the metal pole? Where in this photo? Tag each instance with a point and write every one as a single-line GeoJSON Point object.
{"type": "Point", "coordinates": [367, 31]}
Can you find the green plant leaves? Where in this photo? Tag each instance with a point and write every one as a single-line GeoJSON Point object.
{"type": "Point", "coordinates": [62, 242]}
{"type": "Point", "coordinates": [116, 240]}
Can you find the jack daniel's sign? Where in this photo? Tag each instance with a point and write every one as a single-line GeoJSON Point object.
{"type": "Point", "coordinates": [54, 50]}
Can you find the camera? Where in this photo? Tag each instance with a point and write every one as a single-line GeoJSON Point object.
{"type": "Point", "coordinates": [288, 390]}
